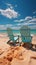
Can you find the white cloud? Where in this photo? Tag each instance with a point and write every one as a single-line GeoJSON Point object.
{"type": "Point", "coordinates": [28, 18]}
{"type": "Point", "coordinates": [27, 21]}
{"type": "Point", "coordinates": [33, 20]}
{"type": "Point", "coordinates": [4, 27]}
{"type": "Point", "coordinates": [21, 24]}
{"type": "Point", "coordinates": [9, 5]}
{"type": "Point", "coordinates": [9, 13]}
{"type": "Point", "coordinates": [24, 20]}
{"type": "Point", "coordinates": [8, 25]}
{"type": "Point", "coordinates": [34, 12]}
{"type": "Point", "coordinates": [16, 5]}
{"type": "Point", "coordinates": [33, 27]}
{"type": "Point", "coordinates": [21, 20]}
{"type": "Point", "coordinates": [15, 28]}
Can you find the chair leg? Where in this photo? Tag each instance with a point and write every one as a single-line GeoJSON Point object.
{"type": "Point", "coordinates": [8, 41]}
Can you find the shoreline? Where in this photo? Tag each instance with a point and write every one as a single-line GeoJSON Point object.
{"type": "Point", "coordinates": [5, 36]}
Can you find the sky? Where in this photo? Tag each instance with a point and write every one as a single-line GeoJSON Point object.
{"type": "Point", "coordinates": [16, 13]}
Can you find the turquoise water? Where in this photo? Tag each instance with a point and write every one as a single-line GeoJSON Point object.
{"type": "Point", "coordinates": [17, 31]}
{"type": "Point", "coordinates": [33, 31]}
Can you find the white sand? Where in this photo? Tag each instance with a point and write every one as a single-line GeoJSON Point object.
{"type": "Point", "coordinates": [20, 56]}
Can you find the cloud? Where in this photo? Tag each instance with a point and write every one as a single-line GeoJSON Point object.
{"type": "Point", "coordinates": [24, 20]}
{"type": "Point", "coordinates": [28, 18]}
{"type": "Point", "coordinates": [34, 12]}
{"type": "Point", "coordinates": [33, 27]}
{"type": "Point", "coordinates": [9, 13]}
{"type": "Point", "coordinates": [16, 28]}
{"type": "Point", "coordinates": [21, 20]}
{"type": "Point", "coordinates": [33, 20]}
{"type": "Point", "coordinates": [30, 21]}
{"type": "Point", "coordinates": [9, 5]}
{"type": "Point", "coordinates": [4, 27]}
{"type": "Point", "coordinates": [8, 25]}
{"type": "Point", "coordinates": [16, 5]}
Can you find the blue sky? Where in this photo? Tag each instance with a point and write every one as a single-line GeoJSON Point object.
{"type": "Point", "coordinates": [16, 13]}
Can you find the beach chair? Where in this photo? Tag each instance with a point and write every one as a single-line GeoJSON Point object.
{"type": "Point", "coordinates": [11, 37]}
{"type": "Point", "coordinates": [25, 35]}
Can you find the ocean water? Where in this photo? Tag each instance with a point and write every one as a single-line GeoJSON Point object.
{"type": "Point", "coordinates": [33, 31]}
{"type": "Point", "coordinates": [18, 31]}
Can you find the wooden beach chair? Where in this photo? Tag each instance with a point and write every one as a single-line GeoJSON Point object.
{"type": "Point", "coordinates": [25, 36]}
{"type": "Point", "coordinates": [11, 37]}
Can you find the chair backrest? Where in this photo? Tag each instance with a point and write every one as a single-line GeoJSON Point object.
{"type": "Point", "coordinates": [10, 34]}
{"type": "Point", "coordinates": [25, 34]}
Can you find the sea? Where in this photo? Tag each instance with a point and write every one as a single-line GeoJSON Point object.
{"type": "Point", "coordinates": [33, 31]}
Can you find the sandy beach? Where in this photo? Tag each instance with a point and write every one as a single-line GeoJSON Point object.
{"type": "Point", "coordinates": [16, 55]}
